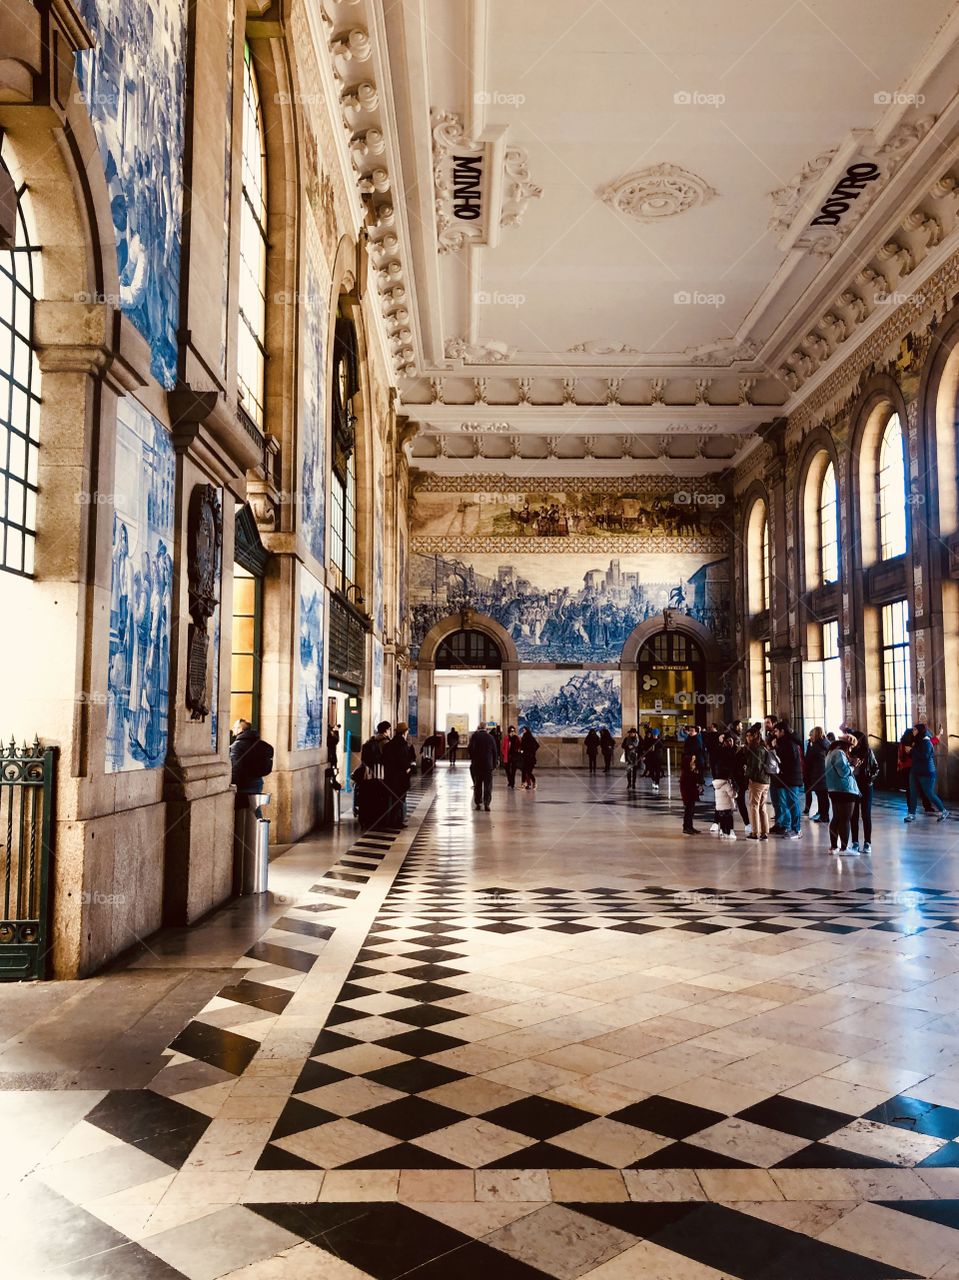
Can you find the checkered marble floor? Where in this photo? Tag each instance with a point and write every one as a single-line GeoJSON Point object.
{"type": "Point", "coordinates": [458, 1055]}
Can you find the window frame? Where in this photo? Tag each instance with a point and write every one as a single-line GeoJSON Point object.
{"type": "Point", "coordinates": [892, 509]}
{"type": "Point", "coordinates": [895, 660]}
{"type": "Point", "coordinates": [20, 399]}
{"type": "Point", "coordinates": [251, 292]}
{"type": "Point", "coordinates": [829, 542]}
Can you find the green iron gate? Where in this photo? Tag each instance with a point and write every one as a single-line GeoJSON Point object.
{"type": "Point", "coordinates": [26, 825]}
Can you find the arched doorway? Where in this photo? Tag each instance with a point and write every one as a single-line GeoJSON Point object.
{"type": "Point", "coordinates": [671, 677]}
{"type": "Point", "coordinates": [467, 681]}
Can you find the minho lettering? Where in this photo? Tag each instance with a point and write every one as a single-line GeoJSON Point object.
{"type": "Point", "coordinates": [850, 188]}
{"type": "Point", "coordinates": [468, 187]}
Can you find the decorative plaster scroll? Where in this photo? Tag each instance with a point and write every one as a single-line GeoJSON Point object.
{"type": "Point", "coordinates": [492, 352]}
{"type": "Point", "coordinates": [452, 144]}
{"type": "Point", "coordinates": [657, 192]}
{"type": "Point", "coordinates": [722, 352]}
{"type": "Point", "coordinates": [596, 348]}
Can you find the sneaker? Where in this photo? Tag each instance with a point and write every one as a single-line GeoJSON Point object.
{"type": "Point", "coordinates": [867, 847]}
{"type": "Point", "coordinates": [834, 849]}
{"type": "Point", "coordinates": [764, 837]}
{"type": "Point", "coordinates": [777, 831]}
{"type": "Point", "coordinates": [486, 807]}
{"type": "Point", "coordinates": [910, 817]}
{"type": "Point", "coordinates": [655, 786]}
{"type": "Point", "coordinates": [793, 835]}
{"type": "Point", "coordinates": [751, 837]}
{"type": "Point", "coordinates": [853, 853]}
{"type": "Point", "coordinates": [749, 829]}
{"type": "Point", "coordinates": [854, 847]}
{"type": "Point", "coordinates": [942, 816]}
{"type": "Point", "coordinates": [691, 831]}
{"type": "Point", "coordinates": [731, 835]}
{"type": "Point", "coordinates": [714, 829]}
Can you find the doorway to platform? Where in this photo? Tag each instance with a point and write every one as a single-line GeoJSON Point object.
{"type": "Point", "coordinates": [467, 682]}
{"type": "Point", "coordinates": [671, 681]}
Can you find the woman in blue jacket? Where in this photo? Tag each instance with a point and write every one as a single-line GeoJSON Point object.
{"type": "Point", "coordinates": [922, 776]}
{"type": "Point", "coordinates": [843, 792]}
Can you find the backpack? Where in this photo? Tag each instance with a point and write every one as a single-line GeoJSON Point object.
{"type": "Point", "coordinates": [259, 759]}
{"type": "Point", "coordinates": [771, 763]}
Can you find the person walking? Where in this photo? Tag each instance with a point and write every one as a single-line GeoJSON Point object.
{"type": "Point", "coordinates": [452, 746]}
{"type": "Point", "coordinates": [528, 749]}
{"type": "Point", "coordinates": [843, 793]}
{"type": "Point", "coordinates": [690, 789]}
{"type": "Point", "coordinates": [483, 756]}
{"type": "Point", "coordinates": [742, 782]}
{"type": "Point", "coordinates": [653, 758]}
{"type": "Point", "coordinates": [606, 742]}
{"type": "Point", "coordinates": [789, 751]}
{"type": "Point", "coordinates": [399, 760]}
{"type": "Point", "coordinates": [428, 753]}
{"type": "Point", "coordinates": [816, 774]}
{"type": "Point", "coordinates": [332, 746]}
{"type": "Point", "coordinates": [631, 758]}
{"type": "Point", "coordinates": [591, 746]}
{"type": "Point", "coordinates": [865, 771]}
{"type": "Point", "coordinates": [251, 760]}
{"type": "Point", "coordinates": [497, 733]}
{"type": "Point", "coordinates": [513, 751]}
{"type": "Point", "coordinates": [756, 762]}
{"type": "Point", "coordinates": [922, 776]}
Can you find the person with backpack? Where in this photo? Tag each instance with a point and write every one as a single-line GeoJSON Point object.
{"type": "Point", "coordinates": [452, 745]}
{"type": "Point", "coordinates": [373, 800]}
{"type": "Point", "coordinates": [865, 771]}
{"type": "Point", "coordinates": [922, 776]}
{"type": "Point", "coordinates": [591, 747]}
{"type": "Point", "coordinates": [251, 760]}
{"type": "Point", "coordinates": [757, 761]}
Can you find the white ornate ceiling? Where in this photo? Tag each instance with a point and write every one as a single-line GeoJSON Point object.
{"type": "Point", "coordinates": [632, 233]}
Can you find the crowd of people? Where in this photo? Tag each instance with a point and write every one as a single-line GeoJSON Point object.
{"type": "Point", "coordinates": [768, 765]}
{"type": "Point", "coordinates": [751, 769]}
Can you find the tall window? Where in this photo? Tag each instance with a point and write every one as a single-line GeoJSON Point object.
{"type": "Point", "coordinates": [343, 486]}
{"type": "Point", "coordinates": [829, 526]}
{"type": "Point", "coordinates": [245, 681]}
{"type": "Point", "coordinates": [19, 397]}
{"type": "Point", "coordinates": [896, 675]}
{"type": "Point", "coordinates": [765, 561]}
{"type": "Point", "coordinates": [251, 340]}
{"type": "Point", "coordinates": [767, 680]}
{"type": "Point", "coordinates": [891, 493]}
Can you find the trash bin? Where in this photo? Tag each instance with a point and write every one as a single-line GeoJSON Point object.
{"type": "Point", "coordinates": [253, 837]}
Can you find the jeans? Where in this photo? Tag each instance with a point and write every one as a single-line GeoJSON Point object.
{"type": "Point", "coordinates": [822, 801]}
{"type": "Point", "coordinates": [482, 785]}
{"type": "Point", "coordinates": [741, 805]}
{"type": "Point", "coordinates": [792, 803]}
{"type": "Point", "coordinates": [776, 790]}
{"type": "Point", "coordinates": [591, 760]}
{"type": "Point", "coordinates": [688, 810]}
{"type": "Point", "coordinates": [511, 767]}
{"type": "Point", "coordinates": [924, 784]}
{"type": "Point", "coordinates": [758, 813]}
{"type": "Point", "coordinates": [842, 806]}
{"type": "Point", "coordinates": [863, 807]}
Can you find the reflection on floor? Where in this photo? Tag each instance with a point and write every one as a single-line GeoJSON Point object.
{"type": "Point", "coordinates": [559, 1040]}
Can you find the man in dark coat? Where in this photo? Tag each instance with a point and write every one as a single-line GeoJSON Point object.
{"type": "Point", "coordinates": [398, 761]}
{"type": "Point", "coordinates": [482, 754]}
{"type": "Point", "coordinates": [452, 746]}
{"type": "Point", "coordinates": [790, 753]}
{"type": "Point", "coordinates": [251, 759]}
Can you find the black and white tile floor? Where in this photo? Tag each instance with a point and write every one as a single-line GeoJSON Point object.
{"type": "Point", "coordinates": [450, 1059]}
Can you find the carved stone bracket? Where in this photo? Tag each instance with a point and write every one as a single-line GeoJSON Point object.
{"type": "Point", "coordinates": [204, 546]}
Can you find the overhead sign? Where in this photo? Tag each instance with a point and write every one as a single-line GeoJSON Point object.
{"type": "Point", "coordinates": [849, 188]}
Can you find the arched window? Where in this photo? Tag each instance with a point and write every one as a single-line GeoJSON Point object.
{"type": "Point", "coordinates": [757, 558]}
{"type": "Point", "coordinates": [343, 486]}
{"type": "Point", "coordinates": [251, 339]}
{"type": "Point", "coordinates": [468, 649]}
{"type": "Point", "coordinates": [829, 526]}
{"type": "Point", "coordinates": [19, 389]}
{"type": "Point", "coordinates": [891, 491]}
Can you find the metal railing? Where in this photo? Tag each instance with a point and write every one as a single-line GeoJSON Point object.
{"type": "Point", "coordinates": [26, 826]}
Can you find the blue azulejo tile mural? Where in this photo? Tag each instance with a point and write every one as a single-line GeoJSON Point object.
{"type": "Point", "coordinates": [309, 660]}
{"type": "Point", "coordinates": [141, 592]}
{"type": "Point", "coordinates": [312, 496]}
{"type": "Point", "coordinates": [133, 83]}
{"type": "Point", "coordinates": [566, 704]}
{"type": "Point", "coordinates": [376, 696]}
